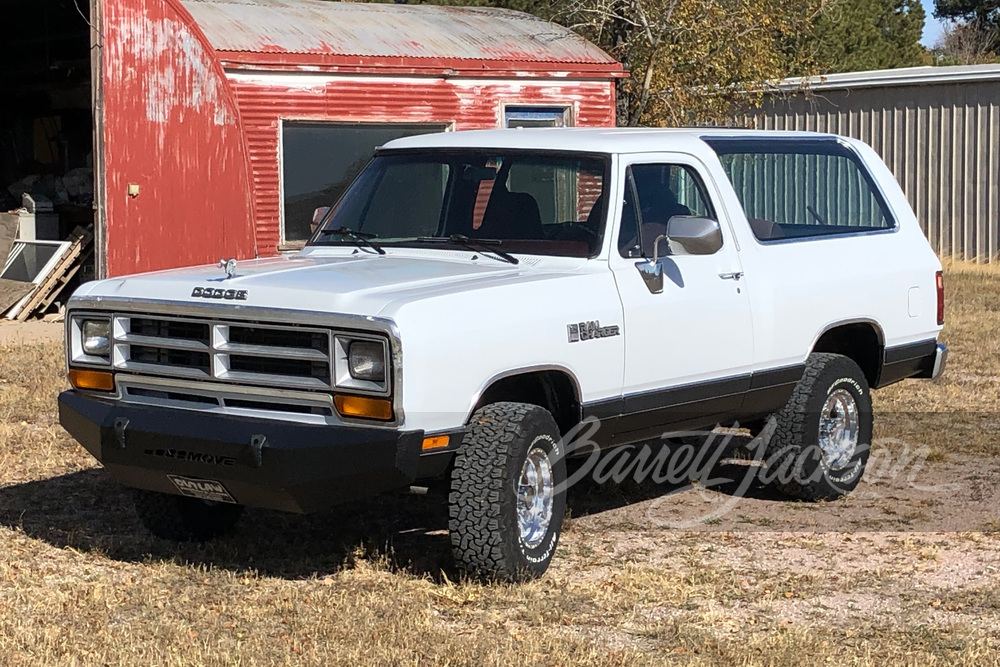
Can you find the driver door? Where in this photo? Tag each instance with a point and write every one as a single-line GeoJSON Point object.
{"type": "Point", "coordinates": [688, 348]}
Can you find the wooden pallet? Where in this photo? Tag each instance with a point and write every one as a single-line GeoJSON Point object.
{"type": "Point", "coordinates": [55, 282]}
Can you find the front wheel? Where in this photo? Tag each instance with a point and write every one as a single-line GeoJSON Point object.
{"type": "Point", "coordinates": [507, 497]}
{"type": "Point", "coordinates": [184, 519]}
{"type": "Point", "coordinates": [822, 440]}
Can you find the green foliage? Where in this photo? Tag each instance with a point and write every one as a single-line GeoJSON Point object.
{"type": "Point", "coordinates": [984, 12]}
{"type": "Point", "coordinates": [857, 35]}
{"type": "Point", "coordinates": [693, 61]}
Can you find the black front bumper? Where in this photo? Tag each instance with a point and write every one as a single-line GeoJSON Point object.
{"type": "Point", "coordinates": [261, 462]}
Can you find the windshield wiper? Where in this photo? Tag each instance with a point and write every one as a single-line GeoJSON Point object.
{"type": "Point", "coordinates": [479, 245]}
{"type": "Point", "coordinates": [361, 239]}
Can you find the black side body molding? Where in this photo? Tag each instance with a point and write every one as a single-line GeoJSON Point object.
{"type": "Point", "coordinates": [913, 360]}
{"type": "Point", "coordinates": [646, 415]}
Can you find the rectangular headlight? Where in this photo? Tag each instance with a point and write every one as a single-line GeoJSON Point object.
{"type": "Point", "coordinates": [91, 340]}
{"type": "Point", "coordinates": [362, 363]}
{"type": "Point", "coordinates": [96, 337]}
{"type": "Point", "coordinates": [366, 361]}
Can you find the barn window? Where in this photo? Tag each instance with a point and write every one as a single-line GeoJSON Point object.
{"type": "Point", "coordinates": [319, 160]}
{"type": "Point", "coordinates": [536, 116]}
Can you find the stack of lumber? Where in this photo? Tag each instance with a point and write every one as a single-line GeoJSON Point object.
{"type": "Point", "coordinates": [39, 296]}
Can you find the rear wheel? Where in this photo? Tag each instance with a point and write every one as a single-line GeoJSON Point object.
{"type": "Point", "coordinates": [506, 503]}
{"type": "Point", "coordinates": [821, 445]}
{"type": "Point", "coordinates": [184, 519]}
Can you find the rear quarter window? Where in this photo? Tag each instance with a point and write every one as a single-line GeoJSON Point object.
{"type": "Point", "coordinates": [802, 189]}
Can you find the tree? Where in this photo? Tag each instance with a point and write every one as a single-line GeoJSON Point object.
{"type": "Point", "coordinates": [857, 35]}
{"type": "Point", "coordinates": [982, 17]}
{"type": "Point", "coordinates": [964, 44]}
{"type": "Point", "coordinates": [984, 12]}
{"type": "Point", "coordinates": [693, 61]}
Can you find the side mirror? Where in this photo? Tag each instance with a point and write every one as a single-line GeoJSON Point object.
{"type": "Point", "coordinates": [688, 235]}
{"type": "Point", "coordinates": [318, 216]}
{"type": "Point", "coordinates": [694, 236]}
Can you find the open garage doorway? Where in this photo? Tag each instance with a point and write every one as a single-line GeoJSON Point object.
{"type": "Point", "coordinates": [46, 120]}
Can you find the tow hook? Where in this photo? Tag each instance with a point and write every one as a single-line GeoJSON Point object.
{"type": "Point", "coordinates": [257, 443]}
{"type": "Point", "coordinates": [120, 425]}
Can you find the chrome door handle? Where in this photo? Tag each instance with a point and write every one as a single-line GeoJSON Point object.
{"type": "Point", "coordinates": [734, 275]}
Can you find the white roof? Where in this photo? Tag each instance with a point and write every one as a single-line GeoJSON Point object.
{"type": "Point", "coordinates": [905, 76]}
{"type": "Point", "coordinates": [587, 140]}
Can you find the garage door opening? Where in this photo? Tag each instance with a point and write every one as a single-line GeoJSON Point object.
{"type": "Point", "coordinates": [46, 122]}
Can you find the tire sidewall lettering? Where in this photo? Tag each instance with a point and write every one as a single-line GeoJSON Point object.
{"type": "Point", "coordinates": [851, 382]}
{"type": "Point", "coordinates": [851, 473]}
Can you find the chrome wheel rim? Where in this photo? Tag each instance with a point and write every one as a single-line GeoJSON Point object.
{"type": "Point", "coordinates": [839, 426]}
{"type": "Point", "coordinates": [535, 492]}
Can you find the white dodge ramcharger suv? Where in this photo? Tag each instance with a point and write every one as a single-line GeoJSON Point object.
{"type": "Point", "coordinates": [474, 296]}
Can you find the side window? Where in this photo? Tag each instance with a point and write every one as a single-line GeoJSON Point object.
{"type": "Point", "coordinates": [654, 194]}
{"type": "Point", "coordinates": [629, 243]}
{"type": "Point", "coordinates": [805, 189]}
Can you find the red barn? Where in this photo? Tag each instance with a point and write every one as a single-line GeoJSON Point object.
{"type": "Point", "coordinates": [219, 125]}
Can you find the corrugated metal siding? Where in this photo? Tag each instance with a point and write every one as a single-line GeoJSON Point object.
{"type": "Point", "coordinates": [266, 99]}
{"type": "Point", "coordinates": [389, 30]}
{"type": "Point", "coordinates": [171, 127]}
{"type": "Point", "coordinates": [942, 142]}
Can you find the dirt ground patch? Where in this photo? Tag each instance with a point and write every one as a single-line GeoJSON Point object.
{"type": "Point", "coordinates": [31, 332]}
{"type": "Point", "coordinates": [905, 571]}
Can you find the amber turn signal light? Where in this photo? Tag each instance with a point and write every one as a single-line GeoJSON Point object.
{"type": "Point", "coordinates": [93, 380]}
{"type": "Point", "coordinates": [361, 406]}
{"type": "Point", "coordinates": [435, 442]}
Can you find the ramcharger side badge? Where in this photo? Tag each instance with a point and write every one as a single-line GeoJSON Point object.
{"type": "Point", "coordinates": [591, 330]}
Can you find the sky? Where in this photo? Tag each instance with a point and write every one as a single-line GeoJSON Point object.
{"type": "Point", "coordinates": [932, 26]}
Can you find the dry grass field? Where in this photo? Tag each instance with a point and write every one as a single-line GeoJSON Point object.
{"type": "Point", "coordinates": [905, 571]}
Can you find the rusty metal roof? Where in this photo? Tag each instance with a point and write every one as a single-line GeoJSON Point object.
{"type": "Point", "coordinates": [389, 30]}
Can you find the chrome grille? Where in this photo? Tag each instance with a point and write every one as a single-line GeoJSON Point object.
{"type": "Point", "coordinates": [247, 353]}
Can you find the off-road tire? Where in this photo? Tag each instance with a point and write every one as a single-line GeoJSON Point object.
{"type": "Point", "coordinates": [792, 461]}
{"type": "Point", "coordinates": [183, 519]}
{"type": "Point", "coordinates": [485, 537]}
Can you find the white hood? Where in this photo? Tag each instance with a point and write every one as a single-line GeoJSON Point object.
{"type": "Point", "coordinates": [337, 281]}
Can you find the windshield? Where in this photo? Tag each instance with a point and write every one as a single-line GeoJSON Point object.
{"type": "Point", "coordinates": [519, 202]}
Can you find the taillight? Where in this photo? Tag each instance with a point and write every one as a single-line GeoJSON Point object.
{"type": "Point", "coordinates": [940, 298]}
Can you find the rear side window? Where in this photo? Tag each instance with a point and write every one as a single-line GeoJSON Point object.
{"type": "Point", "coordinates": [802, 188]}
